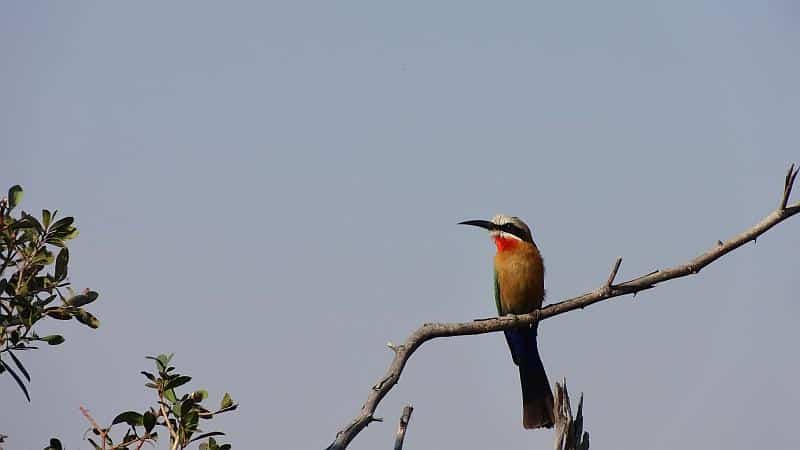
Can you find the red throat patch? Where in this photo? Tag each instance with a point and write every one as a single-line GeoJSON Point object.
{"type": "Point", "coordinates": [504, 244]}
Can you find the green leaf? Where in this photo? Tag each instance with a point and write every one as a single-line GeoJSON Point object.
{"type": "Point", "coordinates": [46, 217]}
{"type": "Point", "coordinates": [55, 444]}
{"type": "Point", "coordinates": [149, 421]}
{"type": "Point", "coordinates": [20, 366]}
{"type": "Point", "coordinates": [82, 299]}
{"type": "Point", "coordinates": [86, 318]}
{"type": "Point", "coordinates": [58, 236]}
{"type": "Point", "coordinates": [225, 447]}
{"type": "Point", "coordinates": [132, 418]}
{"type": "Point", "coordinates": [149, 375]}
{"type": "Point", "coordinates": [92, 295]}
{"type": "Point", "coordinates": [205, 435]}
{"type": "Point", "coordinates": [58, 313]}
{"type": "Point", "coordinates": [61, 264]}
{"type": "Point", "coordinates": [162, 361]}
{"type": "Point", "coordinates": [62, 225]}
{"type": "Point", "coordinates": [14, 196]}
{"type": "Point", "coordinates": [177, 381]}
{"type": "Point", "coordinates": [16, 378]}
{"type": "Point", "coordinates": [227, 401]}
{"type": "Point", "coordinates": [33, 221]}
{"type": "Point", "coordinates": [43, 257]}
{"type": "Point", "coordinates": [187, 406]}
{"type": "Point", "coordinates": [53, 339]}
{"type": "Point", "coordinates": [170, 395]}
{"type": "Point", "coordinates": [78, 300]}
{"type": "Point", "coordinates": [199, 395]}
{"type": "Point", "coordinates": [24, 223]}
{"type": "Point", "coordinates": [94, 444]}
{"type": "Point", "coordinates": [71, 233]}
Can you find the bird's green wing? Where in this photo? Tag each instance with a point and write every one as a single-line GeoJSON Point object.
{"type": "Point", "coordinates": [497, 295]}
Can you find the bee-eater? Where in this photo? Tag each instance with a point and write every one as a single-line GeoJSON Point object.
{"type": "Point", "coordinates": [519, 289]}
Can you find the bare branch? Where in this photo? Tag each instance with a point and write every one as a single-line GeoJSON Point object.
{"type": "Point", "coordinates": [401, 428]}
{"type": "Point", "coordinates": [430, 331]}
{"type": "Point", "coordinates": [569, 429]}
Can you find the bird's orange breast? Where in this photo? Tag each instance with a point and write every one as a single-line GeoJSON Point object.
{"type": "Point", "coordinates": [520, 277]}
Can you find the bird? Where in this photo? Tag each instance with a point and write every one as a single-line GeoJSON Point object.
{"type": "Point", "coordinates": [519, 289]}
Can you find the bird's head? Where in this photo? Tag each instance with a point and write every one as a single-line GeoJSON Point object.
{"type": "Point", "coordinates": [506, 231]}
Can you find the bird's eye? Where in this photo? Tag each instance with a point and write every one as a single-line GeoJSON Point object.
{"type": "Point", "coordinates": [510, 228]}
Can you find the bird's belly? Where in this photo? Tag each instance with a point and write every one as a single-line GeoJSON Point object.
{"type": "Point", "coordinates": [521, 300]}
{"type": "Point", "coordinates": [521, 286]}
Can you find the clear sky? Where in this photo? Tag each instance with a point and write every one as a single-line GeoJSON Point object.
{"type": "Point", "coordinates": [271, 191]}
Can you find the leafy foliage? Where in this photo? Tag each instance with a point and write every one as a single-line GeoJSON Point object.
{"type": "Point", "coordinates": [34, 263]}
{"type": "Point", "coordinates": [34, 285]}
{"type": "Point", "coordinates": [178, 415]}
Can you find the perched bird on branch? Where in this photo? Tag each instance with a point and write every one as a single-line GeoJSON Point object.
{"type": "Point", "coordinates": [519, 289]}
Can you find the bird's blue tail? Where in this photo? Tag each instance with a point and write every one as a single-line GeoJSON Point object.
{"type": "Point", "coordinates": [537, 398]}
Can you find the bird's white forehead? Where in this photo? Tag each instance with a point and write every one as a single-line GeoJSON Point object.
{"type": "Point", "coordinates": [502, 219]}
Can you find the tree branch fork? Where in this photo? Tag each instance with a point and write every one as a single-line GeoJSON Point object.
{"type": "Point", "coordinates": [605, 291]}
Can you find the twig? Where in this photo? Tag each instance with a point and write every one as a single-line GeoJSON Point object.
{"type": "Point", "coordinates": [613, 274]}
{"type": "Point", "coordinates": [172, 434]}
{"type": "Point", "coordinates": [430, 331]}
{"type": "Point", "coordinates": [787, 185]}
{"type": "Point", "coordinates": [94, 424]}
{"type": "Point", "coordinates": [401, 428]}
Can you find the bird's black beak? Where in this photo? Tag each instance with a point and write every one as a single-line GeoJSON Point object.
{"type": "Point", "coordinates": [480, 223]}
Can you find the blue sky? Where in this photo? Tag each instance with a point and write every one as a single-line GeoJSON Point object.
{"type": "Point", "coordinates": [270, 190]}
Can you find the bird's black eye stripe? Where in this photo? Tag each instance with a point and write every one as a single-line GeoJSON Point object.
{"type": "Point", "coordinates": [513, 229]}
